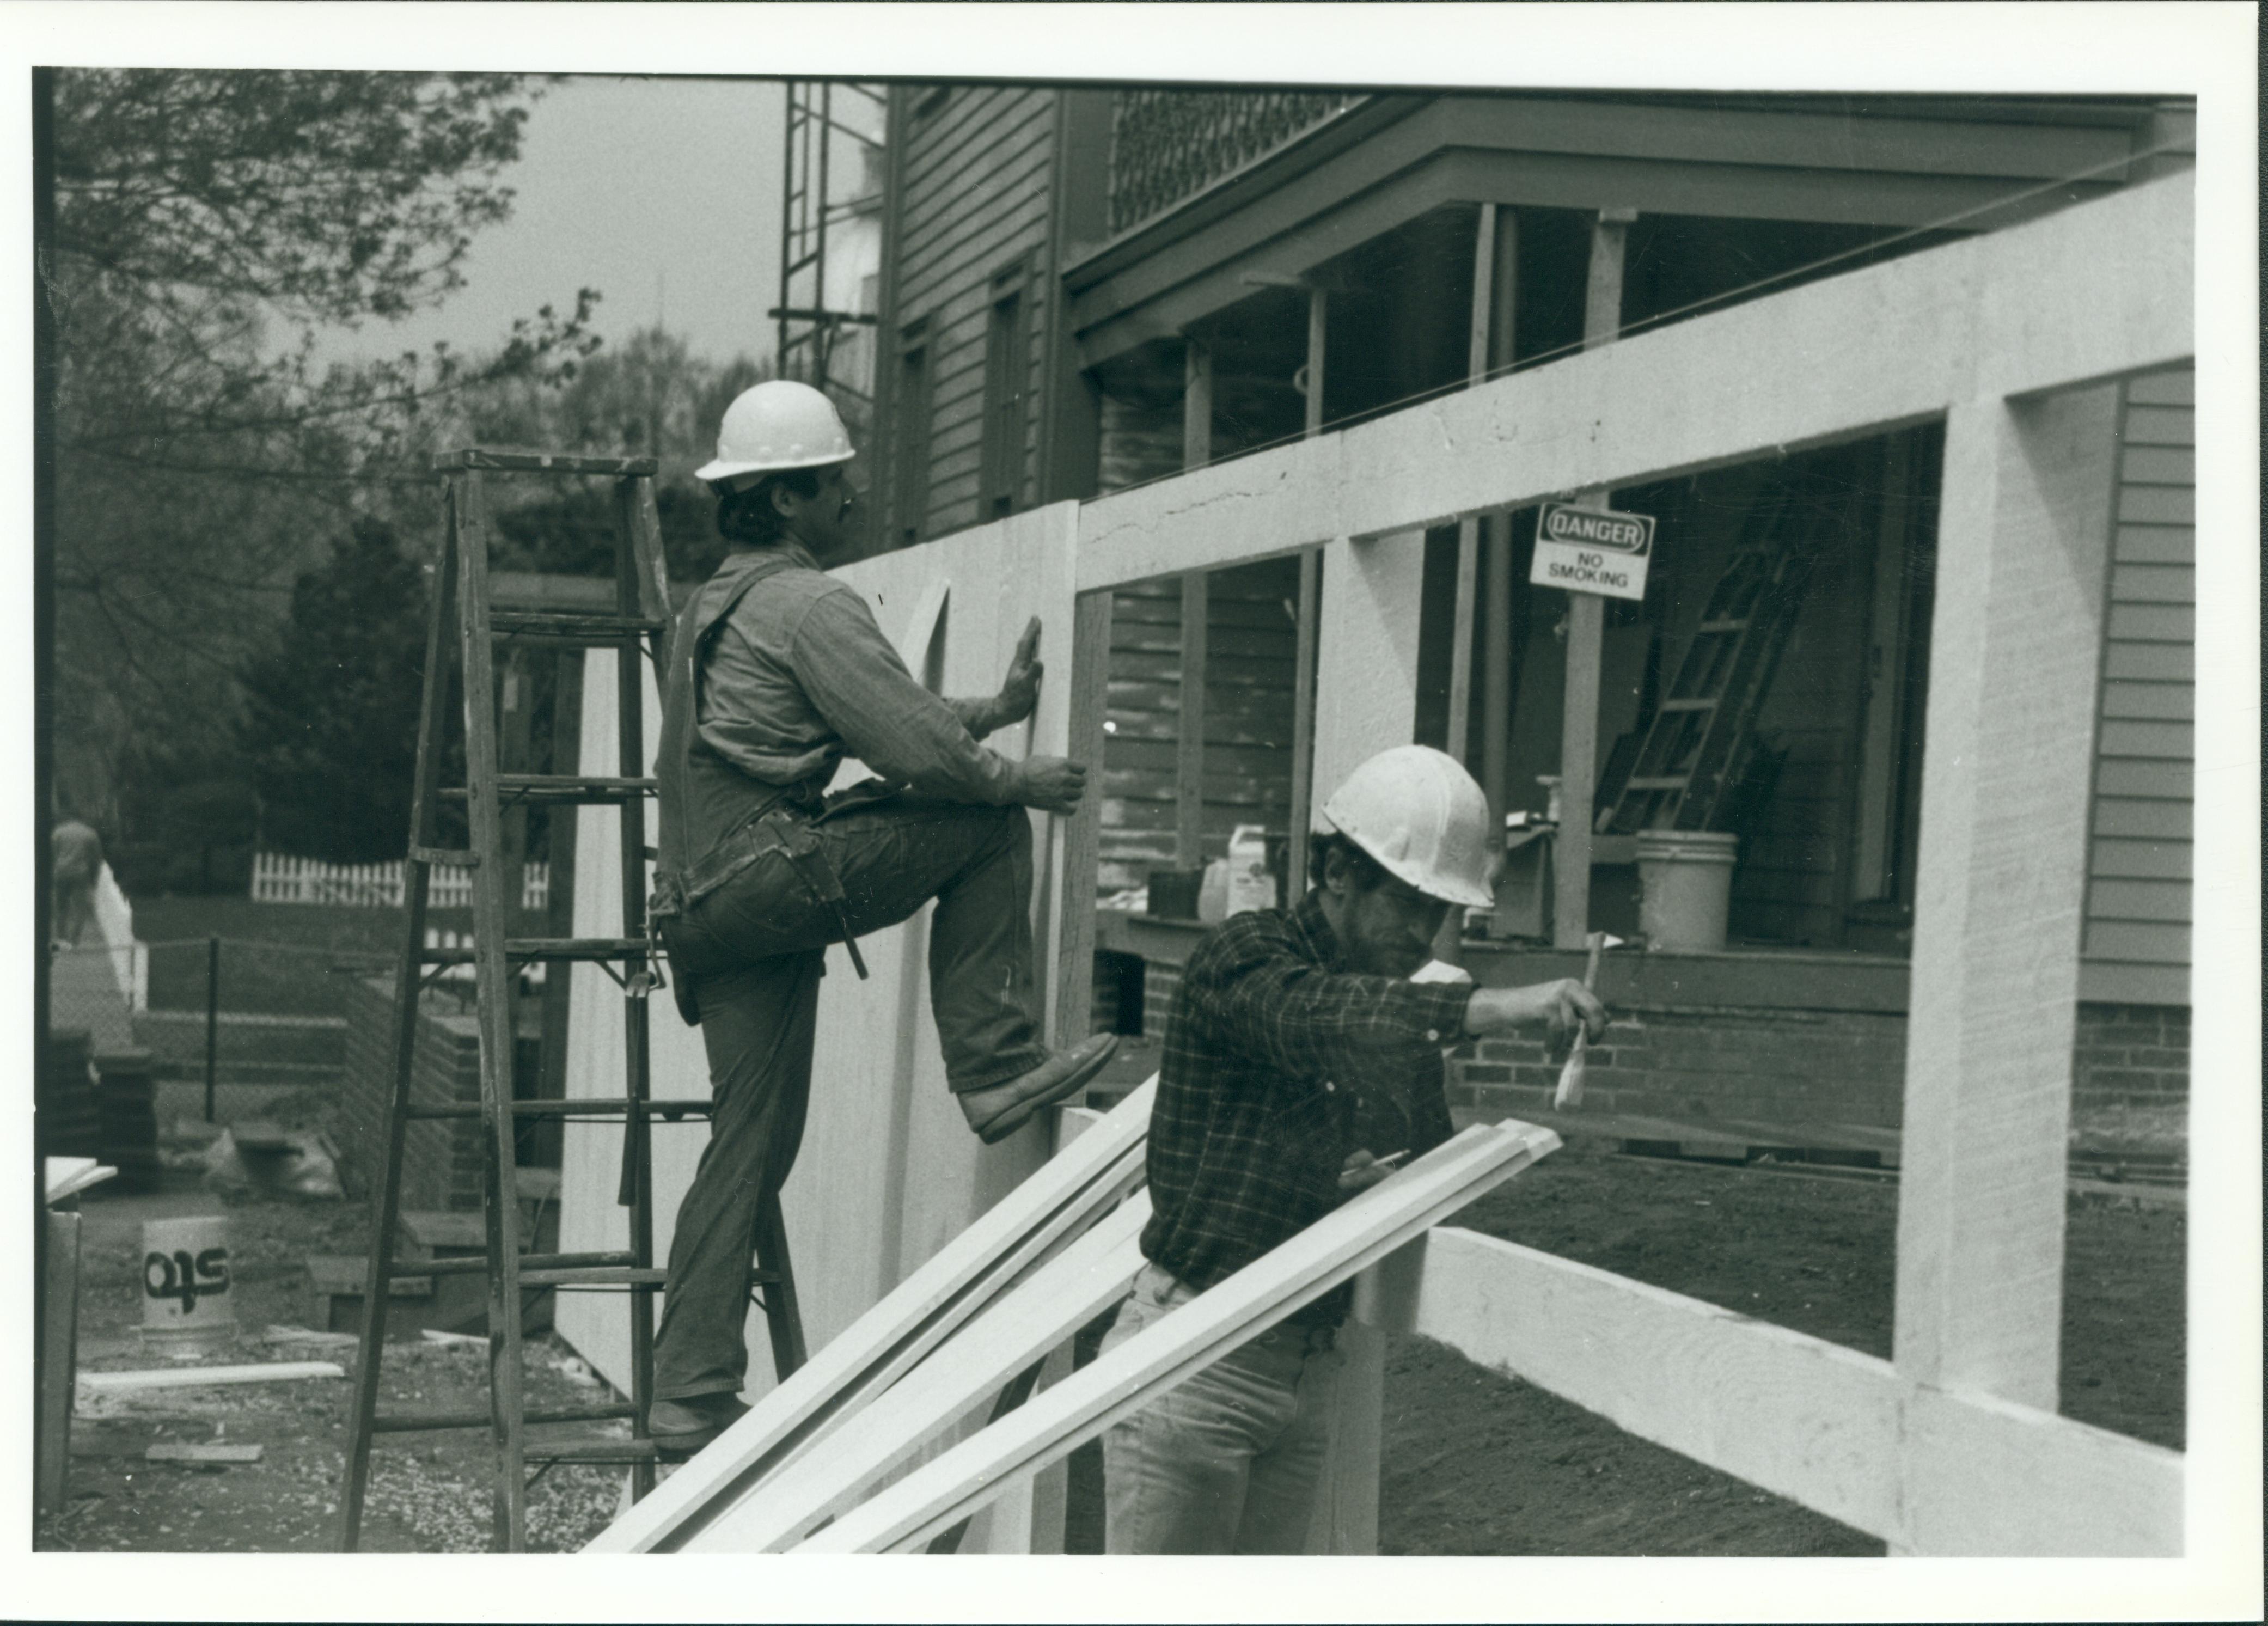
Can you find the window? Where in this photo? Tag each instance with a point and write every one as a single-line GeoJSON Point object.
{"type": "Point", "coordinates": [1007, 382]}
{"type": "Point", "coordinates": [910, 471]}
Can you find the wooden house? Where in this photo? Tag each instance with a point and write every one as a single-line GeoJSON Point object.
{"type": "Point", "coordinates": [1084, 290]}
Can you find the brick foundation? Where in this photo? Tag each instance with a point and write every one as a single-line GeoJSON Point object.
{"type": "Point", "coordinates": [2130, 1078]}
{"type": "Point", "coordinates": [441, 1160]}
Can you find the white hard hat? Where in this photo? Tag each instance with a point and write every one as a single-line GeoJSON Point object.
{"type": "Point", "coordinates": [1418, 812]}
{"type": "Point", "coordinates": [775, 425]}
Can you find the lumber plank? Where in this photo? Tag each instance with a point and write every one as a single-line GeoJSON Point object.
{"type": "Point", "coordinates": [898, 1331]}
{"type": "Point", "coordinates": [200, 1377]}
{"type": "Point", "coordinates": [1989, 1478]}
{"type": "Point", "coordinates": [1072, 1290]}
{"type": "Point", "coordinates": [1796, 1415]}
{"type": "Point", "coordinates": [1367, 1228]}
{"type": "Point", "coordinates": [2016, 645]}
{"type": "Point", "coordinates": [173, 1450]}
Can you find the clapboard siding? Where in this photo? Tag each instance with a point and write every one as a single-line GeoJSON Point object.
{"type": "Point", "coordinates": [1249, 641]}
{"type": "Point", "coordinates": [975, 202]}
{"type": "Point", "coordinates": [2140, 865]}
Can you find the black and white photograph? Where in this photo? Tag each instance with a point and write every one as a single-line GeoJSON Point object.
{"type": "Point", "coordinates": [1457, 782]}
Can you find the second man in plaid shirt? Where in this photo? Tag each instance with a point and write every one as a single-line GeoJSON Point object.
{"type": "Point", "coordinates": [1300, 1063]}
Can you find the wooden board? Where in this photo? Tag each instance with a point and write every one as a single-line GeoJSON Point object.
{"type": "Point", "coordinates": [1835, 1429]}
{"type": "Point", "coordinates": [2015, 643]}
{"type": "Point", "coordinates": [1044, 1312]}
{"type": "Point", "coordinates": [1363, 1230]}
{"type": "Point", "coordinates": [1044, 1214]}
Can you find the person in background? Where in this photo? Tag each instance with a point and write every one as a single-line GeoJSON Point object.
{"type": "Point", "coordinates": [1300, 1065]}
{"type": "Point", "coordinates": [777, 671]}
{"type": "Point", "coordinates": [78, 854]}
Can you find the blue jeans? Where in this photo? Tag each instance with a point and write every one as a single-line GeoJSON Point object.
{"type": "Point", "coordinates": [1227, 1461]}
{"type": "Point", "coordinates": [752, 951]}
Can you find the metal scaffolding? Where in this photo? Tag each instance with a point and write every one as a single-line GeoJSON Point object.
{"type": "Point", "coordinates": [819, 194]}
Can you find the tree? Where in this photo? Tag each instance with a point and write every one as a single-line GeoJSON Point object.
{"type": "Point", "coordinates": [201, 219]}
{"type": "Point", "coordinates": [649, 396]}
{"type": "Point", "coordinates": [331, 719]}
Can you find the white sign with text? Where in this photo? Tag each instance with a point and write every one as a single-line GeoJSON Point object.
{"type": "Point", "coordinates": [1591, 550]}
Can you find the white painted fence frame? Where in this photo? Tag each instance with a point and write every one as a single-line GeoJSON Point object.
{"type": "Point", "coordinates": [2008, 339]}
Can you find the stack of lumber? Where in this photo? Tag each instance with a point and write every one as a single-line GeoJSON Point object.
{"type": "Point", "coordinates": [1016, 1285]}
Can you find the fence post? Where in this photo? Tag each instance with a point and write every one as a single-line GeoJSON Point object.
{"type": "Point", "coordinates": [212, 1021]}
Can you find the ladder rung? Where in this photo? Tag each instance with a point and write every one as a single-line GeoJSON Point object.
{"type": "Point", "coordinates": [546, 948]}
{"type": "Point", "coordinates": [587, 1451]}
{"type": "Point", "coordinates": [575, 626]}
{"type": "Point", "coordinates": [596, 1275]}
{"type": "Point", "coordinates": [595, 1107]}
{"type": "Point", "coordinates": [1701, 703]}
{"type": "Point", "coordinates": [463, 857]}
{"type": "Point", "coordinates": [1675, 784]}
{"type": "Point", "coordinates": [1738, 624]}
{"type": "Point", "coordinates": [418, 1422]}
{"type": "Point", "coordinates": [563, 788]}
{"type": "Point", "coordinates": [473, 1264]}
{"type": "Point", "coordinates": [542, 462]}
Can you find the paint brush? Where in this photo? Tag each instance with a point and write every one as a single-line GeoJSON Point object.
{"type": "Point", "coordinates": [1569, 1095]}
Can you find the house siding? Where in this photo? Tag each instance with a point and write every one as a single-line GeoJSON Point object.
{"type": "Point", "coordinates": [2137, 943]}
{"type": "Point", "coordinates": [975, 191]}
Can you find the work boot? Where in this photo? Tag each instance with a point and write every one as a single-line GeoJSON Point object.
{"type": "Point", "coordinates": [999, 1112]}
{"type": "Point", "coordinates": [681, 1427]}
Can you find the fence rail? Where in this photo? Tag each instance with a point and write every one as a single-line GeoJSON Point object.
{"type": "Point", "coordinates": [279, 879]}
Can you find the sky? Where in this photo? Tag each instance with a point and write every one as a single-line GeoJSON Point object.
{"type": "Point", "coordinates": [662, 194]}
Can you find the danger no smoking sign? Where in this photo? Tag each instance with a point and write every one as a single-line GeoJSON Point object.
{"type": "Point", "coordinates": [1591, 550]}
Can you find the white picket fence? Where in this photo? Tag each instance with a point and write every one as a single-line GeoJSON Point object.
{"type": "Point", "coordinates": [278, 878]}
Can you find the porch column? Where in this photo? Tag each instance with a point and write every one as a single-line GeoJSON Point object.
{"type": "Point", "coordinates": [1578, 731]}
{"type": "Point", "coordinates": [1189, 729]}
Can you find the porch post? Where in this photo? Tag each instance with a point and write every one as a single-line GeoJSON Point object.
{"type": "Point", "coordinates": [1189, 728]}
{"type": "Point", "coordinates": [1579, 730]}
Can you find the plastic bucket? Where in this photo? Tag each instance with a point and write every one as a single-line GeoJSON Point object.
{"type": "Point", "coordinates": [1685, 881]}
{"type": "Point", "coordinates": [185, 1305]}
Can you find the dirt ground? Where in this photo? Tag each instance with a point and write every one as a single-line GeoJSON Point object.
{"type": "Point", "coordinates": [1474, 1462]}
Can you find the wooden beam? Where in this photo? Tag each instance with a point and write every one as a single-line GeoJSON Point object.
{"type": "Point", "coordinates": [1496, 671]}
{"type": "Point", "coordinates": [1080, 835]}
{"type": "Point", "coordinates": [58, 1353]}
{"type": "Point", "coordinates": [1586, 620]}
{"type": "Point", "coordinates": [2098, 289]}
{"type": "Point", "coordinates": [1985, 1477]}
{"type": "Point", "coordinates": [892, 1338]}
{"type": "Point", "coordinates": [1469, 528]}
{"type": "Point", "coordinates": [2015, 641]}
{"type": "Point", "coordinates": [1308, 615]}
{"type": "Point", "coordinates": [1357, 1235]}
{"type": "Point", "coordinates": [1046, 1309]}
{"type": "Point", "coordinates": [1796, 1415]}
{"type": "Point", "coordinates": [1189, 727]}
{"type": "Point", "coordinates": [1307, 620]}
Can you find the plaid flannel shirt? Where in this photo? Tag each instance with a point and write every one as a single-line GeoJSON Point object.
{"type": "Point", "coordinates": [1278, 1063]}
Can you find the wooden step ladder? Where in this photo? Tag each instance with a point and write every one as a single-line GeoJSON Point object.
{"type": "Point", "coordinates": [461, 634]}
{"type": "Point", "coordinates": [1690, 756]}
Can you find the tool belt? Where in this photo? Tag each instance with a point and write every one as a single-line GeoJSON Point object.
{"type": "Point", "coordinates": [783, 828]}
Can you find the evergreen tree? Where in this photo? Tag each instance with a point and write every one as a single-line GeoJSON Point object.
{"type": "Point", "coordinates": [331, 716]}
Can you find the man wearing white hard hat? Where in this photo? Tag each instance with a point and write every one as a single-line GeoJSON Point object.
{"type": "Point", "coordinates": [1300, 1064]}
{"type": "Point", "coordinates": [778, 672]}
